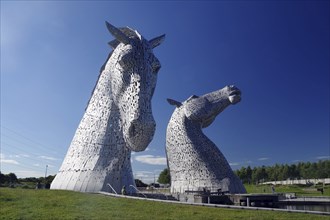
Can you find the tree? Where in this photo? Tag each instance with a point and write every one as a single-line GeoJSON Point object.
{"type": "Point", "coordinates": [8, 179]}
{"type": "Point", "coordinates": [245, 174]}
{"type": "Point", "coordinates": [164, 177]}
{"type": "Point", "coordinates": [49, 179]}
{"type": "Point", "coordinates": [249, 174]}
{"type": "Point", "coordinates": [12, 177]}
{"type": "Point", "coordinates": [302, 170]}
{"type": "Point", "coordinates": [259, 174]}
{"type": "Point", "coordinates": [293, 171]}
{"type": "Point", "coordinates": [242, 174]}
{"type": "Point", "coordinates": [284, 172]}
{"type": "Point", "coordinates": [323, 169]}
{"type": "Point", "coordinates": [3, 178]}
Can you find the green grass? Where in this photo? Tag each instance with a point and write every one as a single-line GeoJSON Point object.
{"type": "Point", "coordinates": [53, 204]}
{"type": "Point", "coordinates": [299, 190]}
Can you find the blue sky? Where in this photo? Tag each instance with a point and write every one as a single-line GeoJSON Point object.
{"type": "Point", "coordinates": [276, 52]}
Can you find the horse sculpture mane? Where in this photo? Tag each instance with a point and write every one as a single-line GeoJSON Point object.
{"type": "Point", "coordinates": [194, 161]}
{"type": "Point", "coordinates": [117, 120]}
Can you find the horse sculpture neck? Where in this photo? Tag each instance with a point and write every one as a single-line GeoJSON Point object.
{"type": "Point", "coordinates": [98, 154]}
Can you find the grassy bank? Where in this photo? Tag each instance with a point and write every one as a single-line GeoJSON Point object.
{"type": "Point", "coordinates": [52, 204]}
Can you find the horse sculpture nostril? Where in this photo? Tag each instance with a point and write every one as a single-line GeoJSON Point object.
{"type": "Point", "coordinates": [235, 92]}
{"type": "Point", "coordinates": [132, 131]}
{"type": "Point", "coordinates": [139, 128]}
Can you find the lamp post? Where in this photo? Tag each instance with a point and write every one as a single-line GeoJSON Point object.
{"type": "Point", "coordinates": [46, 171]}
{"type": "Point", "coordinates": [46, 176]}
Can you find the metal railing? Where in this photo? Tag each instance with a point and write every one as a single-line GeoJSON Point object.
{"type": "Point", "coordinates": [112, 188]}
{"type": "Point", "coordinates": [138, 190]}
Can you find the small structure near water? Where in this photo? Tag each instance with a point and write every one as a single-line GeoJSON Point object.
{"type": "Point", "coordinates": [255, 200]}
{"type": "Point", "coordinates": [223, 198]}
{"type": "Point", "coordinates": [275, 201]}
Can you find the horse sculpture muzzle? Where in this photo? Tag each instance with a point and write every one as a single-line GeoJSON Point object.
{"type": "Point", "coordinates": [234, 94]}
{"type": "Point", "coordinates": [140, 133]}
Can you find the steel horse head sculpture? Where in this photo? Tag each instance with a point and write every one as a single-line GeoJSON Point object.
{"type": "Point", "coordinates": [195, 162]}
{"type": "Point", "coordinates": [118, 118]}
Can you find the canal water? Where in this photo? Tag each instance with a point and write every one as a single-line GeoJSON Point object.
{"type": "Point", "coordinates": [319, 207]}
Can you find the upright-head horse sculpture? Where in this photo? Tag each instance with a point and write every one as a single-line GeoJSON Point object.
{"type": "Point", "coordinates": [118, 118]}
{"type": "Point", "coordinates": [195, 162]}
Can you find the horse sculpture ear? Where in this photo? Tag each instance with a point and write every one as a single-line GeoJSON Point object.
{"type": "Point", "coordinates": [173, 102]}
{"type": "Point", "coordinates": [192, 97]}
{"type": "Point", "coordinates": [118, 34]}
{"type": "Point", "coordinates": [157, 41]}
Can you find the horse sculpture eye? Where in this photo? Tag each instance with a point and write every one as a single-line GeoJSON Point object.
{"type": "Point", "coordinates": [125, 60]}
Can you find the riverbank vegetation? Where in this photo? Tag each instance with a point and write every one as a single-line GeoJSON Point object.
{"type": "Point", "coordinates": [277, 172]}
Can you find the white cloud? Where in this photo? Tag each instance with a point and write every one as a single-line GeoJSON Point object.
{"type": "Point", "coordinates": [141, 174]}
{"type": "Point", "coordinates": [234, 164]}
{"type": "Point", "coordinates": [323, 157]}
{"type": "Point", "coordinates": [151, 159]}
{"type": "Point", "coordinates": [19, 155]}
{"type": "Point", "coordinates": [158, 171]}
{"type": "Point", "coordinates": [263, 158]}
{"type": "Point", "coordinates": [47, 158]}
{"type": "Point", "coordinates": [146, 176]}
{"type": "Point", "coordinates": [7, 161]}
{"type": "Point", "coordinates": [29, 173]}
